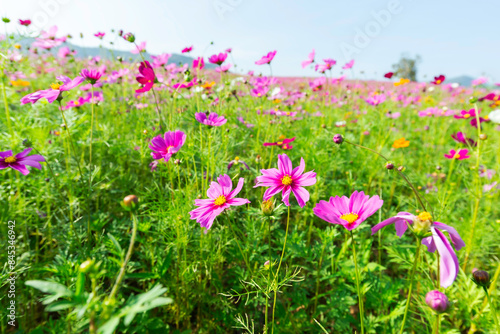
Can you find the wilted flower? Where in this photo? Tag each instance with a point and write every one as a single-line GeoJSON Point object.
{"type": "Point", "coordinates": [422, 225]}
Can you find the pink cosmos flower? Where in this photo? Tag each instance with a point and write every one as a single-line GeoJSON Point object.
{"type": "Point", "coordinates": [309, 60]}
{"type": "Point", "coordinates": [267, 59]}
{"type": "Point", "coordinates": [223, 68]}
{"type": "Point", "coordinates": [375, 99]}
{"type": "Point", "coordinates": [259, 91]}
{"type": "Point", "coordinates": [284, 144]}
{"type": "Point", "coordinates": [64, 52]}
{"type": "Point", "coordinates": [248, 125]}
{"type": "Point", "coordinates": [218, 59]}
{"type": "Point", "coordinates": [212, 120]}
{"type": "Point", "coordinates": [25, 22]}
{"type": "Point", "coordinates": [479, 81]}
{"type": "Point", "coordinates": [165, 146]}
{"type": "Point", "coordinates": [393, 115]}
{"type": "Point", "coordinates": [100, 35]}
{"type": "Point", "coordinates": [160, 60]}
{"type": "Point", "coordinates": [388, 75]}
{"type": "Point", "coordinates": [348, 65]}
{"type": "Point", "coordinates": [326, 66]}
{"type": "Point", "coordinates": [459, 155]}
{"type": "Point", "coordinates": [348, 212]}
{"type": "Point", "coordinates": [198, 63]}
{"type": "Point", "coordinates": [187, 49]}
{"type": "Point", "coordinates": [460, 137]}
{"type": "Point", "coordinates": [464, 114]}
{"type": "Point", "coordinates": [139, 48]}
{"type": "Point", "coordinates": [287, 179]}
{"type": "Point", "coordinates": [221, 197]}
{"type": "Point", "coordinates": [55, 90]}
{"type": "Point", "coordinates": [448, 259]}
{"type": "Point", "coordinates": [146, 77]}
{"type": "Point", "coordinates": [20, 161]}
{"type": "Point", "coordinates": [91, 75]}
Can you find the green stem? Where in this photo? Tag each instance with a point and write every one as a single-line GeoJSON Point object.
{"type": "Point", "coordinates": [279, 266]}
{"type": "Point", "coordinates": [6, 106]}
{"type": "Point", "coordinates": [90, 160]}
{"type": "Point", "coordinates": [268, 273]}
{"type": "Point", "coordinates": [119, 279]}
{"type": "Point", "coordinates": [408, 300]}
{"type": "Point", "coordinates": [239, 246]}
{"type": "Point", "coordinates": [437, 323]}
{"type": "Point", "coordinates": [360, 295]}
{"type": "Point", "coordinates": [492, 308]}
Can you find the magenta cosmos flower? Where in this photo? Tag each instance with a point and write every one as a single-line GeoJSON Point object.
{"type": "Point", "coordinates": [55, 91]}
{"type": "Point", "coordinates": [309, 60]}
{"type": "Point", "coordinates": [212, 120]}
{"type": "Point", "coordinates": [465, 114]}
{"type": "Point", "coordinates": [146, 77]}
{"type": "Point", "coordinates": [267, 59]}
{"type": "Point", "coordinates": [221, 197]}
{"type": "Point", "coordinates": [461, 138]}
{"type": "Point", "coordinates": [437, 241]}
{"type": "Point", "coordinates": [24, 22]}
{"type": "Point", "coordinates": [165, 146]}
{"type": "Point", "coordinates": [287, 179]}
{"type": "Point", "coordinates": [459, 155]}
{"type": "Point", "coordinates": [284, 143]}
{"type": "Point", "coordinates": [218, 59]}
{"type": "Point", "coordinates": [20, 161]}
{"type": "Point", "coordinates": [187, 49]}
{"type": "Point", "coordinates": [91, 75]}
{"type": "Point", "coordinates": [348, 212]}
{"type": "Point", "coordinates": [100, 35]}
{"type": "Point", "coordinates": [348, 65]}
{"type": "Point", "coordinates": [198, 63]}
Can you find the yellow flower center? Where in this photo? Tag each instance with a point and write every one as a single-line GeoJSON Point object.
{"type": "Point", "coordinates": [237, 159]}
{"type": "Point", "coordinates": [423, 216]}
{"type": "Point", "coordinates": [349, 217]}
{"type": "Point", "coordinates": [168, 149]}
{"type": "Point", "coordinates": [438, 81]}
{"type": "Point", "coordinates": [279, 143]}
{"type": "Point", "coordinates": [55, 86]}
{"type": "Point", "coordinates": [286, 180]}
{"type": "Point", "coordinates": [456, 156]}
{"type": "Point", "coordinates": [220, 200]}
{"type": "Point", "coordinates": [466, 115]}
{"type": "Point", "coordinates": [288, 113]}
{"type": "Point", "coordinates": [76, 103]}
{"type": "Point", "coordinates": [10, 160]}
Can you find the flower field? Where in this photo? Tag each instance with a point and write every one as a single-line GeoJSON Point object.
{"type": "Point", "coordinates": [155, 197]}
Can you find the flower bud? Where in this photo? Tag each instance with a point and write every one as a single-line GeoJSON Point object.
{"type": "Point", "coordinates": [473, 99]}
{"type": "Point", "coordinates": [438, 167]}
{"type": "Point", "coordinates": [401, 168]}
{"type": "Point", "coordinates": [338, 139]}
{"type": "Point", "coordinates": [130, 201]}
{"type": "Point", "coordinates": [5, 19]}
{"type": "Point", "coordinates": [389, 165]}
{"type": "Point", "coordinates": [27, 143]}
{"type": "Point", "coordinates": [483, 136]}
{"type": "Point", "coordinates": [481, 278]}
{"type": "Point", "coordinates": [129, 37]}
{"type": "Point", "coordinates": [86, 266]}
{"type": "Point", "coordinates": [437, 301]}
{"type": "Point", "coordinates": [267, 207]}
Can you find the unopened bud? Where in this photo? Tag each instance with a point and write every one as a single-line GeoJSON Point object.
{"type": "Point", "coordinates": [438, 167]}
{"type": "Point", "coordinates": [129, 37]}
{"type": "Point", "coordinates": [389, 165]}
{"type": "Point", "coordinates": [86, 266]}
{"type": "Point", "coordinates": [483, 136]}
{"type": "Point", "coordinates": [437, 301]}
{"type": "Point", "coordinates": [338, 139]}
{"type": "Point", "coordinates": [267, 207]}
{"type": "Point", "coordinates": [401, 168]}
{"type": "Point", "coordinates": [130, 201]}
{"type": "Point", "coordinates": [481, 278]}
{"type": "Point", "coordinates": [27, 143]}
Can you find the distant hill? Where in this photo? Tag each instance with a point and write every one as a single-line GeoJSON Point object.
{"type": "Point", "coordinates": [84, 52]}
{"type": "Point", "coordinates": [463, 80]}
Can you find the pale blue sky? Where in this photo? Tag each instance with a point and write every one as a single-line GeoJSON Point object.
{"type": "Point", "coordinates": [452, 37]}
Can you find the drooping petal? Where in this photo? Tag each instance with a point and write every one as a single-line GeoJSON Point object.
{"type": "Point", "coordinates": [429, 242]}
{"type": "Point", "coordinates": [401, 220]}
{"type": "Point", "coordinates": [271, 191]}
{"type": "Point", "coordinates": [20, 168]}
{"type": "Point", "coordinates": [448, 259]}
{"type": "Point", "coordinates": [327, 211]}
{"type": "Point", "coordinates": [455, 237]}
{"type": "Point", "coordinates": [23, 153]}
{"type": "Point", "coordinates": [286, 195]}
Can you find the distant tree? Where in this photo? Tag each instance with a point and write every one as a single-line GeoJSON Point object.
{"type": "Point", "coordinates": [407, 67]}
